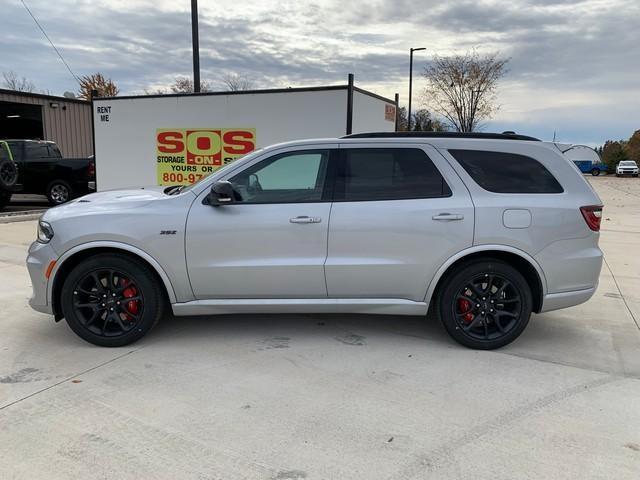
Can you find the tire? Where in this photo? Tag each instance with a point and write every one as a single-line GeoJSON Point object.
{"type": "Point", "coordinates": [595, 172]}
{"type": "Point", "coordinates": [59, 192]}
{"type": "Point", "coordinates": [463, 304]}
{"type": "Point", "coordinates": [125, 307]}
{"type": "Point", "coordinates": [5, 198]}
{"type": "Point", "coordinates": [8, 174]}
{"type": "Point", "coordinates": [617, 174]}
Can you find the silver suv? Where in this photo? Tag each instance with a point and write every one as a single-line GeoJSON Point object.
{"type": "Point", "coordinates": [483, 228]}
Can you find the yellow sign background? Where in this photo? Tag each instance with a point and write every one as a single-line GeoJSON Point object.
{"type": "Point", "coordinates": [185, 155]}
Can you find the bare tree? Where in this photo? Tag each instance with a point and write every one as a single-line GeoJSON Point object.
{"type": "Point", "coordinates": [185, 85]}
{"type": "Point", "coordinates": [20, 84]}
{"type": "Point", "coordinates": [105, 86]}
{"type": "Point", "coordinates": [235, 82]}
{"type": "Point", "coordinates": [423, 121]}
{"type": "Point", "coordinates": [155, 91]}
{"type": "Point", "coordinates": [402, 119]}
{"type": "Point", "coordinates": [462, 88]}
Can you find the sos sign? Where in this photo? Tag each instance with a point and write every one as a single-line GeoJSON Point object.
{"type": "Point", "coordinates": [186, 155]}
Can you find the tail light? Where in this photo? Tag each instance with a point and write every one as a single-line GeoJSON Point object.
{"type": "Point", "coordinates": [592, 215]}
{"type": "Point", "coordinates": [92, 170]}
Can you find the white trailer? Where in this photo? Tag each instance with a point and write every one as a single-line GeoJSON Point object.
{"type": "Point", "coordinates": [177, 139]}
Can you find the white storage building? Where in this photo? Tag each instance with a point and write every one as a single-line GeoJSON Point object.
{"type": "Point", "coordinates": [176, 139]}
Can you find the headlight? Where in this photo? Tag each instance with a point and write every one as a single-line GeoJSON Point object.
{"type": "Point", "coordinates": [45, 232]}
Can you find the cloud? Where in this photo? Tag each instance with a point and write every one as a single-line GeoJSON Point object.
{"type": "Point", "coordinates": [581, 50]}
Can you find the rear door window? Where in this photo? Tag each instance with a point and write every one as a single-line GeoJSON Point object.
{"type": "Point", "coordinates": [502, 172]}
{"type": "Point", "coordinates": [36, 151]}
{"type": "Point", "coordinates": [368, 174]}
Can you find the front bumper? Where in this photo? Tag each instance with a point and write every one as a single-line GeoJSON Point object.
{"type": "Point", "coordinates": [627, 172]}
{"type": "Point", "coordinates": [39, 257]}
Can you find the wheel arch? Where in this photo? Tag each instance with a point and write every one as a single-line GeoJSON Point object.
{"type": "Point", "coordinates": [75, 255]}
{"type": "Point", "coordinates": [523, 262]}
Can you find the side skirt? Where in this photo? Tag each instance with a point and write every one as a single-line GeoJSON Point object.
{"type": "Point", "coordinates": [380, 306]}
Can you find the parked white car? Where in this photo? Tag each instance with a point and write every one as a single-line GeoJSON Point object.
{"type": "Point", "coordinates": [627, 167]}
{"type": "Point", "coordinates": [483, 228]}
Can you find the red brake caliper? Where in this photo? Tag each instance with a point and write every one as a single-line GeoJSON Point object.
{"type": "Point", "coordinates": [464, 306]}
{"type": "Point", "coordinates": [132, 306]}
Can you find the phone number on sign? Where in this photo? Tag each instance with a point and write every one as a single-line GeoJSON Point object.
{"type": "Point", "coordinates": [181, 177]}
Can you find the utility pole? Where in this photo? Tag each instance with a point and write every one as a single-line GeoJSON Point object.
{"type": "Point", "coordinates": [196, 45]}
{"type": "Point", "coordinates": [411, 50]}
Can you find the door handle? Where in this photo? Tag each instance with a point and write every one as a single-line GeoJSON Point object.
{"type": "Point", "coordinates": [305, 219]}
{"type": "Point", "coordinates": [447, 217]}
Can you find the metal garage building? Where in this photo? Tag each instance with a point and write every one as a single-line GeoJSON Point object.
{"type": "Point", "coordinates": [66, 121]}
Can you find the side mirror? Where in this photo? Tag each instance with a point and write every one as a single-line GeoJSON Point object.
{"type": "Point", "coordinates": [221, 193]}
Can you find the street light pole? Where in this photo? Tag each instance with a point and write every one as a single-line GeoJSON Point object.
{"type": "Point", "coordinates": [196, 45]}
{"type": "Point", "coordinates": [411, 50]}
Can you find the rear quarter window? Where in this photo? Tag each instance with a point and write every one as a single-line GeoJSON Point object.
{"type": "Point", "coordinates": [54, 151]}
{"type": "Point", "coordinates": [502, 172]}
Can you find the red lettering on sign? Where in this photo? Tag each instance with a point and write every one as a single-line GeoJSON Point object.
{"type": "Point", "coordinates": [170, 142]}
{"type": "Point", "coordinates": [203, 143]}
{"type": "Point", "coordinates": [204, 147]}
{"type": "Point", "coordinates": [238, 142]}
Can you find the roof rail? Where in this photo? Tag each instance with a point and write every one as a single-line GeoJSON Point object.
{"type": "Point", "coordinates": [488, 136]}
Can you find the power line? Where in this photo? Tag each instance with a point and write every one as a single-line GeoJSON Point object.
{"type": "Point", "coordinates": [52, 45]}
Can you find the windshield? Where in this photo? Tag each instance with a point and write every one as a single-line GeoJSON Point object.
{"type": "Point", "coordinates": [183, 188]}
{"type": "Point", "coordinates": [628, 163]}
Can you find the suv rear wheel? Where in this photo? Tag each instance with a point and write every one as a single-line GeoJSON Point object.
{"type": "Point", "coordinates": [111, 300]}
{"type": "Point", "coordinates": [485, 304]}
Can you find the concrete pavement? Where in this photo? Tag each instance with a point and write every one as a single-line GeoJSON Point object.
{"type": "Point", "coordinates": [329, 397]}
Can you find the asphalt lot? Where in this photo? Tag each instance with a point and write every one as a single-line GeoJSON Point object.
{"type": "Point", "coordinates": [329, 397]}
{"type": "Point", "coordinates": [26, 203]}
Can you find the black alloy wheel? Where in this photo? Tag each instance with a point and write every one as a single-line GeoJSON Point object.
{"type": "Point", "coordinates": [59, 192]}
{"type": "Point", "coordinates": [485, 304]}
{"type": "Point", "coordinates": [112, 299]}
{"type": "Point", "coordinates": [8, 174]}
{"type": "Point", "coordinates": [108, 303]}
{"type": "Point", "coordinates": [487, 307]}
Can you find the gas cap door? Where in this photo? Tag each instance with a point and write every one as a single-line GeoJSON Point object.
{"type": "Point", "coordinates": [516, 218]}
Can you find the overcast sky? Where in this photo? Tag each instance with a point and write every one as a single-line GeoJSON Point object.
{"type": "Point", "coordinates": [575, 65]}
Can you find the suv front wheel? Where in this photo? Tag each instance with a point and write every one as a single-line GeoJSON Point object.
{"type": "Point", "coordinates": [484, 304]}
{"type": "Point", "coordinates": [112, 300]}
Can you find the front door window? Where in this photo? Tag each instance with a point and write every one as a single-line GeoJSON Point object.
{"type": "Point", "coordinates": [293, 177]}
